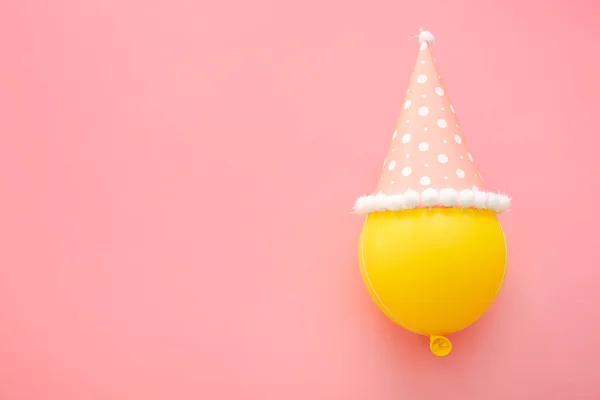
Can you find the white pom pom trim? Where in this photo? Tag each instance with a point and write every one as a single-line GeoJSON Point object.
{"type": "Point", "coordinates": [411, 199]}
{"type": "Point", "coordinates": [396, 202]}
{"type": "Point", "coordinates": [430, 197]}
{"type": "Point", "coordinates": [448, 197]}
{"type": "Point", "coordinates": [481, 200]}
{"type": "Point", "coordinates": [466, 198]}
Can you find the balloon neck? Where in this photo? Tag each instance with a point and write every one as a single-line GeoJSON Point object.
{"type": "Point", "coordinates": [440, 345]}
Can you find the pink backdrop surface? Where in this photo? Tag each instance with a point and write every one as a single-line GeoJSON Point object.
{"type": "Point", "coordinates": [176, 179]}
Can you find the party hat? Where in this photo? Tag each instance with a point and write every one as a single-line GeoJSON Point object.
{"type": "Point", "coordinates": [428, 163]}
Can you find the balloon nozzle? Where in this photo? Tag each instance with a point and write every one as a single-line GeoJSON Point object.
{"type": "Point", "coordinates": [440, 345]}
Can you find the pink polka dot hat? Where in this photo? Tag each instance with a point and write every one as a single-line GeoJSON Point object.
{"type": "Point", "coordinates": [428, 163]}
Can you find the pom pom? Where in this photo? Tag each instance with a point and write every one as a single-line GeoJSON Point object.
{"type": "Point", "coordinates": [380, 202]}
{"type": "Point", "coordinates": [493, 201]}
{"type": "Point", "coordinates": [448, 197]}
{"type": "Point", "coordinates": [504, 203]}
{"type": "Point", "coordinates": [411, 199]}
{"type": "Point", "coordinates": [426, 37]}
{"type": "Point", "coordinates": [481, 200]}
{"type": "Point", "coordinates": [466, 198]}
{"type": "Point", "coordinates": [430, 197]}
{"type": "Point", "coordinates": [362, 205]}
{"type": "Point", "coordinates": [396, 202]}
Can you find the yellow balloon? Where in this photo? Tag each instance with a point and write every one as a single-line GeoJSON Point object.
{"type": "Point", "coordinates": [433, 271]}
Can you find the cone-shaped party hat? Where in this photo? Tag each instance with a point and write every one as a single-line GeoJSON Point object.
{"type": "Point", "coordinates": [428, 163]}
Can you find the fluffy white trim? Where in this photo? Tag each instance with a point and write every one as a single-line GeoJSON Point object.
{"type": "Point", "coordinates": [430, 197]}
{"type": "Point", "coordinates": [466, 198]}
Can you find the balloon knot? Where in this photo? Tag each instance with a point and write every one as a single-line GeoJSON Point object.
{"type": "Point", "coordinates": [440, 345]}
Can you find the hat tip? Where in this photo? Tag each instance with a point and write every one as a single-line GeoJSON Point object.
{"type": "Point", "coordinates": [426, 37]}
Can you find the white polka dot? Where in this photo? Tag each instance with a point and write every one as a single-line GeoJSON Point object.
{"type": "Point", "coordinates": [423, 62]}
{"type": "Point", "coordinates": [442, 108]}
{"type": "Point", "coordinates": [393, 150]}
{"type": "Point", "coordinates": [423, 95]}
{"type": "Point", "coordinates": [452, 109]}
{"type": "Point", "coordinates": [426, 129]}
{"type": "Point", "coordinates": [422, 78]}
{"type": "Point", "coordinates": [392, 165]}
{"type": "Point", "coordinates": [443, 158]}
{"type": "Point", "coordinates": [407, 121]}
{"type": "Point", "coordinates": [406, 138]}
{"type": "Point", "coordinates": [423, 146]}
{"type": "Point", "coordinates": [426, 165]}
{"type": "Point", "coordinates": [444, 141]}
{"type": "Point", "coordinates": [423, 111]}
{"type": "Point", "coordinates": [439, 91]}
{"type": "Point", "coordinates": [392, 182]}
{"type": "Point", "coordinates": [407, 155]}
{"type": "Point", "coordinates": [425, 181]}
{"type": "Point", "coordinates": [394, 135]}
{"type": "Point", "coordinates": [423, 46]}
{"type": "Point", "coordinates": [457, 125]}
{"type": "Point", "coordinates": [445, 177]}
{"type": "Point", "coordinates": [442, 123]}
{"type": "Point", "coordinates": [470, 156]}
{"type": "Point", "coordinates": [460, 173]}
{"type": "Point", "coordinates": [407, 104]}
{"type": "Point", "coordinates": [461, 157]}
{"type": "Point", "coordinates": [457, 139]}
{"type": "Point", "coordinates": [406, 171]}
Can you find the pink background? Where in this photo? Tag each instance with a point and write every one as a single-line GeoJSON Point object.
{"type": "Point", "coordinates": [176, 177]}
